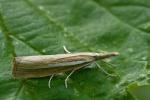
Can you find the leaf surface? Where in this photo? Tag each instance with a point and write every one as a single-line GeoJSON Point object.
{"type": "Point", "coordinates": [38, 27]}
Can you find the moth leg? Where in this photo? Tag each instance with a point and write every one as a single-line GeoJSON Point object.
{"type": "Point", "coordinates": [104, 70]}
{"type": "Point", "coordinates": [73, 72]}
{"type": "Point", "coordinates": [49, 82]}
{"type": "Point", "coordinates": [109, 64]}
{"type": "Point", "coordinates": [68, 77]}
{"type": "Point", "coordinates": [66, 50]}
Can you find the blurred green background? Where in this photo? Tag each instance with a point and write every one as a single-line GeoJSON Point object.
{"type": "Point", "coordinates": [40, 27]}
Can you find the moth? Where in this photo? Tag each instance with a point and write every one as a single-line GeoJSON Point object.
{"type": "Point", "coordinates": [50, 65]}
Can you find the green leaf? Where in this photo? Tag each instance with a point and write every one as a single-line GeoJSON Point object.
{"type": "Point", "coordinates": [139, 92]}
{"type": "Point", "coordinates": [33, 27]}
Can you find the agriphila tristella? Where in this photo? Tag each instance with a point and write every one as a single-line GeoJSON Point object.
{"type": "Point", "coordinates": [50, 65]}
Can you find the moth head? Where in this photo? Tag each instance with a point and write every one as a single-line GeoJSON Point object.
{"type": "Point", "coordinates": [104, 55]}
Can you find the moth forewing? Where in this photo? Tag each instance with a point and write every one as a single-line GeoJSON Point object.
{"type": "Point", "coordinates": [45, 65]}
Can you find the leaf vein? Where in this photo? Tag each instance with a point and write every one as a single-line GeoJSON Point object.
{"type": "Point", "coordinates": [107, 9]}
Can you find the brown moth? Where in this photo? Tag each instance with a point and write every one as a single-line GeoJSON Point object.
{"type": "Point", "coordinates": [46, 65]}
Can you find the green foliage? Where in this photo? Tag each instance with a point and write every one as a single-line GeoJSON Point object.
{"type": "Point", "coordinates": [140, 92]}
{"type": "Point", "coordinates": [33, 27]}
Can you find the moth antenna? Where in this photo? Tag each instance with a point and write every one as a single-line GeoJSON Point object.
{"type": "Point", "coordinates": [49, 82]}
{"type": "Point", "coordinates": [66, 50]}
{"type": "Point", "coordinates": [104, 70]}
{"type": "Point", "coordinates": [68, 77]}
